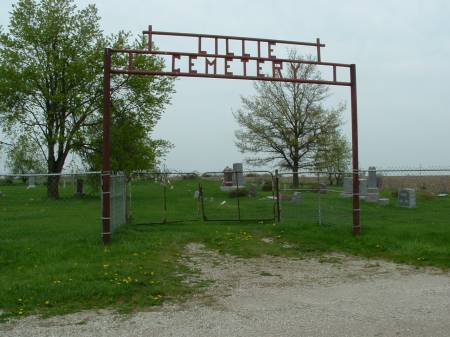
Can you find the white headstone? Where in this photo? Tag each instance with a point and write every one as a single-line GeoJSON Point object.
{"type": "Point", "coordinates": [31, 182]}
{"type": "Point", "coordinates": [295, 197]}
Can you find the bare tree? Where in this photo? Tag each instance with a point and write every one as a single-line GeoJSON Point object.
{"type": "Point", "coordinates": [285, 123]}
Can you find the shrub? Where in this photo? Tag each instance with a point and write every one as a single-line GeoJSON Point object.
{"type": "Point", "coordinates": [267, 186]}
{"type": "Point", "coordinates": [242, 192]}
{"type": "Point", "coordinates": [190, 176]}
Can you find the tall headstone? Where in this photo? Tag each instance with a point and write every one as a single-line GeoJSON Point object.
{"type": "Point", "coordinates": [228, 176]}
{"type": "Point", "coordinates": [31, 182]}
{"type": "Point", "coordinates": [372, 188]}
{"type": "Point", "coordinates": [372, 183]}
{"type": "Point", "coordinates": [363, 188]}
{"type": "Point", "coordinates": [80, 188]}
{"type": "Point", "coordinates": [407, 197]}
{"type": "Point", "coordinates": [348, 187]}
{"type": "Point", "coordinates": [238, 175]}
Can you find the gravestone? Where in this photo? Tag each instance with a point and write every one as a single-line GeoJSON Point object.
{"type": "Point", "coordinates": [238, 175]}
{"type": "Point", "coordinates": [228, 176]}
{"type": "Point", "coordinates": [348, 187]}
{"type": "Point", "coordinates": [295, 198]}
{"type": "Point", "coordinates": [407, 197]}
{"type": "Point", "coordinates": [79, 193]}
{"type": "Point", "coordinates": [31, 182]}
{"type": "Point", "coordinates": [252, 191]}
{"type": "Point", "coordinates": [372, 189]}
{"type": "Point", "coordinates": [197, 195]}
{"type": "Point", "coordinates": [383, 201]}
{"type": "Point", "coordinates": [323, 189]}
{"type": "Point", "coordinates": [363, 188]}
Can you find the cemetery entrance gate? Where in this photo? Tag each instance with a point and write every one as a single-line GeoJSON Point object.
{"type": "Point", "coordinates": [254, 63]}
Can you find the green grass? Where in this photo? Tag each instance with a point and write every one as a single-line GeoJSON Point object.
{"type": "Point", "coordinates": [52, 260]}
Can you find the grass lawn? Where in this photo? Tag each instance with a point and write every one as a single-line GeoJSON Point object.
{"type": "Point", "coordinates": [52, 260]}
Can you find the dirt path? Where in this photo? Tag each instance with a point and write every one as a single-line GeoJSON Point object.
{"type": "Point", "coordinates": [335, 295]}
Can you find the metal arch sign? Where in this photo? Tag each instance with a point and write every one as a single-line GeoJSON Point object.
{"type": "Point", "coordinates": [249, 62]}
{"type": "Point", "coordinates": [221, 60]}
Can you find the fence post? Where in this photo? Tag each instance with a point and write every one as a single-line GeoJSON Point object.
{"type": "Point", "coordinates": [106, 209]}
{"type": "Point", "coordinates": [237, 195]}
{"type": "Point", "coordinates": [202, 204]}
{"type": "Point", "coordinates": [165, 197]}
{"type": "Point", "coordinates": [277, 191]}
{"type": "Point", "coordinates": [356, 229]}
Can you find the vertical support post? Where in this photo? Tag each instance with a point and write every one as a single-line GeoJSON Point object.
{"type": "Point", "coordinates": [356, 229]}
{"type": "Point", "coordinates": [202, 202]}
{"type": "Point", "coordinates": [106, 178]}
{"type": "Point", "coordinates": [165, 197]}
{"type": "Point", "coordinates": [277, 190]}
{"type": "Point", "coordinates": [237, 195]}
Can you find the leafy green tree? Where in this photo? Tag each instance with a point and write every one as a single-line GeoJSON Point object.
{"type": "Point", "coordinates": [137, 105]}
{"type": "Point", "coordinates": [51, 83]}
{"type": "Point", "coordinates": [286, 123]}
{"type": "Point", "coordinates": [333, 157]}
{"type": "Point", "coordinates": [25, 156]}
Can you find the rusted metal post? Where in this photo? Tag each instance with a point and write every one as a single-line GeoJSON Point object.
{"type": "Point", "coordinates": [277, 190]}
{"type": "Point", "coordinates": [106, 193]}
{"type": "Point", "coordinates": [237, 195]}
{"type": "Point", "coordinates": [356, 229]}
{"type": "Point", "coordinates": [202, 202]}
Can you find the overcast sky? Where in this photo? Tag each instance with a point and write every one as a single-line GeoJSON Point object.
{"type": "Point", "coordinates": [401, 50]}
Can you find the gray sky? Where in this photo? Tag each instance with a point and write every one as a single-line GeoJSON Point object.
{"type": "Point", "coordinates": [401, 50]}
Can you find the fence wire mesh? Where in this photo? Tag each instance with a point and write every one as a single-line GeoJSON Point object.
{"type": "Point", "coordinates": [63, 204]}
{"type": "Point", "coordinates": [314, 198]}
{"type": "Point", "coordinates": [164, 197]}
{"type": "Point", "coordinates": [70, 204]}
{"type": "Point", "coordinates": [118, 202]}
{"type": "Point", "coordinates": [406, 198]}
{"type": "Point", "coordinates": [238, 196]}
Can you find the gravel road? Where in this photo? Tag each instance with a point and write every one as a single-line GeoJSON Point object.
{"type": "Point", "coordinates": [334, 295]}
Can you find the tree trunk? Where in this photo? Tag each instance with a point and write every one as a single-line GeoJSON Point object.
{"type": "Point", "coordinates": [295, 180]}
{"type": "Point", "coordinates": [53, 187]}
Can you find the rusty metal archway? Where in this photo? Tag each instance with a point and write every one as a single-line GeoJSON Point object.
{"type": "Point", "coordinates": [210, 70]}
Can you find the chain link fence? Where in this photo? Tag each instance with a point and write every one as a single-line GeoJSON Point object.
{"type": "Point", "coordinates": [163, 197]}
{"type": "Point", "coordinates": [71, 203]}
{"type": "Point", "coordinates": [314, 198]}
{"type": "Point", "coordinates": [57, 204]}
{"type": "Point", "coordinates": [238, 196]}
{"type": "Point", "coordinates": [406, 197]}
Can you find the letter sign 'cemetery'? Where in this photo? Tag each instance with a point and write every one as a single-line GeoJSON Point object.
{"type": "Point", "coordinates": [233, 57]}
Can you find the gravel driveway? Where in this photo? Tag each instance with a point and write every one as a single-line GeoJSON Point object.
{"type": "Point", "coordinates": [334, 295]}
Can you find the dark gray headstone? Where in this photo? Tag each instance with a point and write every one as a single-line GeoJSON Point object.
{"type": "Point", "coordinates": [407, 197]}
{"type": "Point", "coordinates": [238, 174]}
{"type": "Point", "coordinates": [348, 187]}
{"type": "Point", "coordinates": [252, 191]}
{"type": "Point", "coordinates": [372, 180]}
{"type": "Point", "coordinates": [79, 192]}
